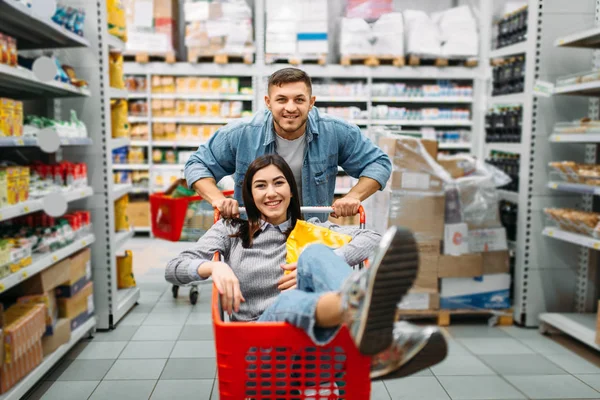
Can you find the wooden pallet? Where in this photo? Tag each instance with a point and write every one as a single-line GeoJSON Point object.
{"type": "Point", "coordinates": [144, 58]}
{"type": "Point", "coordinates": [219, 58]}
{"type": "Point", "coordinates": [319, 59]}
{"type": "Point", "coordinates": [372, 60]}
{"type": "Point", "coordinates": [415, 61]}
{"type": "Point", "coordinates": [443, 317]}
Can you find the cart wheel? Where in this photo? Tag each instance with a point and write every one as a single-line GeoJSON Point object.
{"type": "Point", "coordinates": [193, 295]}
{"type": "Point", "coordinates": [175, 291]}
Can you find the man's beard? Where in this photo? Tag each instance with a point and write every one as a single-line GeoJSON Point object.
{"type": "Point", "coordinates": [302, 124]}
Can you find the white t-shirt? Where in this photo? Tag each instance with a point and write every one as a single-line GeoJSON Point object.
{"type": "Point", "coordinates": [292, 152]}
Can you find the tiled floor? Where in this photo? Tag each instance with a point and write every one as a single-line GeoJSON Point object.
{"type": "Point", "coordinates": [163, 349]}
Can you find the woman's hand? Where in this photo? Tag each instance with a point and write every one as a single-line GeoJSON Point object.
{"type": "Point", "coordinates": [288, 280]}
{"type": "Point", "coordinates": [228, 286]}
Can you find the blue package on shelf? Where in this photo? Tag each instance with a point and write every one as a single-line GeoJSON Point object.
{"type": "Point", "coordinates": [483, 292]}
{"type": "Point", "coordinates": [81, 319]}
{"type": "Point", "coordinates": [312, 36]}
{"type": "Point", "coordinates": [71, 290]}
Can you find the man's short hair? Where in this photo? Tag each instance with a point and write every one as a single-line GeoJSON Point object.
{"type": "Point", "coordinates": [289, 75]}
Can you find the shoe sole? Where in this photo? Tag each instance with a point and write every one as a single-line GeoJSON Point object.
{"type": "Point", "coordinates": [394, 276]}
{"type": "Point", "coordinates": [433, 352]}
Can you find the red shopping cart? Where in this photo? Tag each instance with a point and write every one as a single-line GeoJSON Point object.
{"type": "Point", "coordinates": [279, 361]}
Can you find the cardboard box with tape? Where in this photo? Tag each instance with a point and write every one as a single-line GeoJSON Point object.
{"type": "Point", "coordinates": [60, 335]}
{"type": "Point", "coordinates": [80, 273]}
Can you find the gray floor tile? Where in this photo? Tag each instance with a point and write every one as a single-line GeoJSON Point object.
{"type": "Point", "coordinates": [553, 387]}
{"type": "Point", "coordinates": [476, 331]}
{"type": "Point", "coordinates": [202, 307]}
{"type": "Point", "coordinates": [58, 369]}
{"type": "Point", "coordinates": [133, 318]}
{"type": "Point", "coordinates": [479, 388]}
{"type": "Point", "coordinates": [194, 349]}
{"type": "Point", "coordinates": [543, 345]}
{"type": "Point", "coordinates": [124, 390]}
{"type": "Point", "coordinates": [573, 364]}
{"type": "Point", "coordinates": [165, 319]}
{"type": "Point", "coordinates": [147, 349]}
{"type": "Point", "coordinates": [424, 372]}
{"type": "Point", "coordinates": [190, 389]}
{"type": "Point", "coordinates": [198, 318]}
{"type": "Point", "coordinates": [38, 392]}
{"type": "Point", "coordinates": [197, 332]}
{"type": "Point", "coordinates": [523, 364]}
{"type": "Point", "coordinates": [181, 311]}
{"type": "Point", "coordinates": [157, 333]}
{"type": "Point", "coordinates": [190, 368]}
{"type": "Point", "coordinates": [121, 333]}
{"type": "Point", "coordinates": [457, 349]}
{"type": "Point", "coordinates": [142, 308]}
{"type": "Point", "coordinates": [416, 388]}
{"type": "Point", "coordinates": [379, 391]}
{"type": "Point", "coordinates": [77, 349]}
{"type": "Point", "coordinates": [521, 333]}
{"type": "Point", "coordinates": [136, 369]}
{"type": "Point", "coordinates": [102, 351]}
{"type": "Point", "coordinates": [86, 370]}
{"type": "Point", "coordinates": [485, 346]}
{"type": "Point", "coordinates": [461, 365]}
{"type": "Point", "coordinates": [70, 390]}
{"type": "Point", "coordinates": [592, 380]}
{"type": "Point", "coordinates": [215, 391]}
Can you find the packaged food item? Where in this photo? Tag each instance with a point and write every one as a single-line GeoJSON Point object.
{"type": "Point", "coordinates": [121, 218]}
{"type": "Point", "coordinates": [24, 326]}
{"type": "Point", "coordinates": [115, 62]}
{"type": "Point", "coordinates": [125, 278]}
{"type": "Point", "coordinates": [116, 19]}
{"type": "Point", "coordinates": [119, 120]}
{"type": "Point", "coordinates": [4, 49]}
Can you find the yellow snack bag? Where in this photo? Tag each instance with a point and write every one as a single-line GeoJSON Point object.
{"type": "Point", "coordinates": [305, 233]}
{"type": "Point", "coordinates": [125, 278]}
{"type": "Point", "coordinates": [115, 70]}
{"type": "Point", "coordinates": [119, 119]}
{"type": "Point", "coordinates": [116, 19]}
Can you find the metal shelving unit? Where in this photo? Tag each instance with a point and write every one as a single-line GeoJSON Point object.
{"type": "Point", "coordinates": [33, 142]}
{"type": "Point", "coordinates": [514, 148]}
{"type": "Point", "coordinates": [512, 50]}
{"type": "Point", "coordinates": [21, 83]}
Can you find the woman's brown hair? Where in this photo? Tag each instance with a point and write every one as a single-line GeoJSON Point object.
{"type": "Point", "coordinates": [251, 228]}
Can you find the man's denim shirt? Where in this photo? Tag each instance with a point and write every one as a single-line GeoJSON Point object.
{"type": "Point", "coordinates": [330, 142]}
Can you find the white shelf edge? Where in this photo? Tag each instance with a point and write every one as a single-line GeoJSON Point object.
{"type": "Point", "coordinates": [168, 166]}
{"type": "Point", "coordinates": [192, 120]}
{"type": "Point", "coordinates": [342, 99]}
{"type": "Point", "coordinates": [406, 122]}
{"type": "Point", "coordinates": [115, 93]}
{"type": "Point", "coordinates": [115, 44]}
{"type": "Point", "coordinates": [35, 376]}
{"type": "Point", "coordinates": [515, 148]}
{"type": "Point", "coordinates": [575, 138]}
{"type": "Point", "coordinates": [430, 99]}
{"type": "Point", "coordinates": [132, 167]}
{"type": "Point", "coordinates": [126, 299]}
{"type": "Point", "coordinates": [30, 206]}
{"type": "Point", "coordinates": [120, 190]}
{"type": "Point", "coordinates": [20, 73]}
{"type": "Point", "coordinates": [41, 262]}
{"type": "Point", "coordinates": [203, 96]}
{"type": "Point", "coordinates": [454, 146]}
{"type": "Point", "coordinates": [133, 119]}
{"type": "Point", "coordinates": [122, 237]}
{"type": "Point", "coordinates": [575, 238]}
{"type": "Point", "coordinates": [139, 190]}
{"type": "Point", "coordinates": [514, 98]}
{"type": "Point", "coordinates": [140, 143]}
{"type": "Point", "coordinates": [33, 142]}
{"type": "Point", "coordinates": [577, 39]}
{"type": "Point", "coordinates": [142, 229]}
{"type": "Point", "coordinates": [574, 188]}
{"type": "Point", "coordinates": [507, 195]}
{"type": "Point", "coordinates": [513, 49]}
{"type": "Point", "coordinates": [584, 89]}
{"type": "Point", "coordinates": [175, 143]}
{"type": "Point", "coordinates": [115, 143]}
{"type": "Point", "coordinates": [580, 326]}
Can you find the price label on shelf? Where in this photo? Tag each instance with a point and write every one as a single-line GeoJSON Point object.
{"type": "Point", "coordinates": [54, 258]}
{"type": "Point", "coordinates": [554, 185]}
{"type": "Point", "coordinates": [20, 142]}
{"type": "Point", "coordinates": [26, 209]}
{"type": "Point", "coordinates": [82, 194]}
{"type": "Point", "coordinates": [2, 287]}
{"type": "Point", "coordinates": [557, 138]}
{"type": "Point", "coordinates": [83, 243]}
{"type": "Point", "coordinates": [550, 233]}
{"type": "Point", "coordinates": [596, 246]}
{"type": "Point", "coordinates": [24, 274]}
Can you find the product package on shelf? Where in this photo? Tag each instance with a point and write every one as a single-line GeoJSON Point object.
{"type": "Point", "coordinates": [49, 300]}
{"type": "Point", "coordinates": [80, 273]}
{"type": "Point", "coordinates": [119, 118]}
{"type": "Point", "coordinates": [458, 30]}
{"type": "Point", "coordinates": [77, 308]}
{"type": "Point", "coordinates": [74, 128]}
{"type": "Point", "coordinates": [139, 213]}
{"type": "Point", "coordinates": [121, 218]}
{"type": "Point", "coordinates": [8, 50]}
{"type": "Point", "coordinates": [151, 26]}
{"type": "Point", "coordinates": [368, 9]}
{"type": "Point", "coordinates": [24, 325]}
{"type": "Point", "coordinates": [422, 35]}
{"type": "Point", "coordinates": [382, 37]}
{"type": "Point", "coordinates": [218, 27]}
{"type": "Point", "coordinates": [116, 77]}
{"type": "Point", "coordinates": [125, 278]}
{"type": "Point", "coordinates": [116, 19]}
{"type": "Point", "coordinates": [70, 18]}
{"type": "Point", "coordinates": [14, 185]}
{"type": "Point", "coordinates": [11, 118]}
{"type": "Point", "coordinates": [14, 372]}
{"type": "Point", "coordinates": [60, 335]}
{"type": "Point", "coordinates": [297, 28]}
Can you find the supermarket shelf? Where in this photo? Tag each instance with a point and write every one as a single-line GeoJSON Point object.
{"type": "Point", "coordinates": [115, 44]}
{"type": "Point", "coordinates": [115, 93]}
{"type": "Point", "coordinates": [407, 122]}
{"type": "Point", "coordinates": [20, 83]}
{"type": "Point", "coordinates": [189, 69]}
{"type": "Point", "coordinates": [580, 89]}
{"type": "Point", "coordinates": [137, 95]}
{"type": "Point", "coordinates": [517, 48]}
{"type": "Point", "coordinates": [575, 188]}
{"type": "Point", "coordinates": [31, 206]}
{"type": "Point", "coordinates": [120, 190]}
{"type": "Point", "coordinates": [33, 142]}
{"type": "Point", "coordinates": [33, 32]}
{"type": "Point", "coordinates": [175, 143]}
{"type": "Point", "coordinates": [122, 237]}
{"type": "Point", "coordinates": [135, 119]}
{"type": "Point", "coordinates": [515, 98]}
{"type": "Point", "coordinates": [44, 261]}
{"type": "Point", "coordinates": [35, 376]}
{"type": "Point", "coordinates": [193, 120]}
{"type": "Point", "coordinates": [431, 99]}
{"type": "Point", "coordinates": [126, 299]}
{"type": "Point", "coordinates": [142, 229]}
{"type": "Point", "coordinates": [575, 238]}
{"type": "Point", "coordinates": [507, 195]}
{"type": "Point", "coordinates": [202, 96]}
{"type": "Point", "coordinates": [130, 167]}
{"type": "Point", "coordinates": [139, 190]}
{"type": "Point", "coordinates": [359, 121]}
{"type": "Point", "coordinates": [168, 166]}
{"type": "Point", "coordinates": [120, 142]}
{"type": "Point", "coordinates": [590, 38]}
{"type": "Point", "coordinates": [575, 138]}
{"type": "Point", "coordinates": [342, 99]}
{"type": "Point", "coordinates": [453, 146]}
{"type": "Point", "coordinates": [515, 148]}
{"type": "Point", "coordinates": [580, 326]}
{"type": "Point", "coordinates": [140, 143]}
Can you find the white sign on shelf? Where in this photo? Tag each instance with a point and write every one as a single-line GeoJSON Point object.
{"type": "Point", "coordinates": [543, 88]}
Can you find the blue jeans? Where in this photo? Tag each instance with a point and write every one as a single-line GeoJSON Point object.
{"type": "Point", "coordinates": [319, 271]}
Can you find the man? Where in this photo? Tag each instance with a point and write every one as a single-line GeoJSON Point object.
{"type": "Point", "coordinates": [312, 143]}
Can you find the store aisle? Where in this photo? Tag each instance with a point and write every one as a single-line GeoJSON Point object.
{"type": "Point", "coordinates": [164, 349]}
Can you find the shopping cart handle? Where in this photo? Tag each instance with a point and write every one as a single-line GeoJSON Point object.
{"type": "Point", "coordinates": [311, 209]}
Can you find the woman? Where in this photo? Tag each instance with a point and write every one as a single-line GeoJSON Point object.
{"type": "Point", "coordinates": [252, 283]}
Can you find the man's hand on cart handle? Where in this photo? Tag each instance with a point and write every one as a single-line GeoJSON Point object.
{"type": "Point", "coordinates": [228, 286]}
{"type": "Point", "coordinates": [228, 208]}
{"type": "Point", "coordinates": [345, 207]}
{"type": "Point", "coordinates": [288, 280]}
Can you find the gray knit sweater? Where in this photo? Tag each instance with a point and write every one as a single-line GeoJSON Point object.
{"type": "Point", "coordinates": [258, 268]}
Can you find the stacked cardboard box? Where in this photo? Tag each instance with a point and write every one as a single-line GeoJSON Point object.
{"type": "Point", "coordinates": [75, 296]}
{"type": "Point", "coordinates": [151, 26]}
{"type": "Point", "coordinates": [297, 27]}
{"type": "Point", "coordinates": [12, 373]}
{"type": "Point", "coordinates": [598, 325]}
